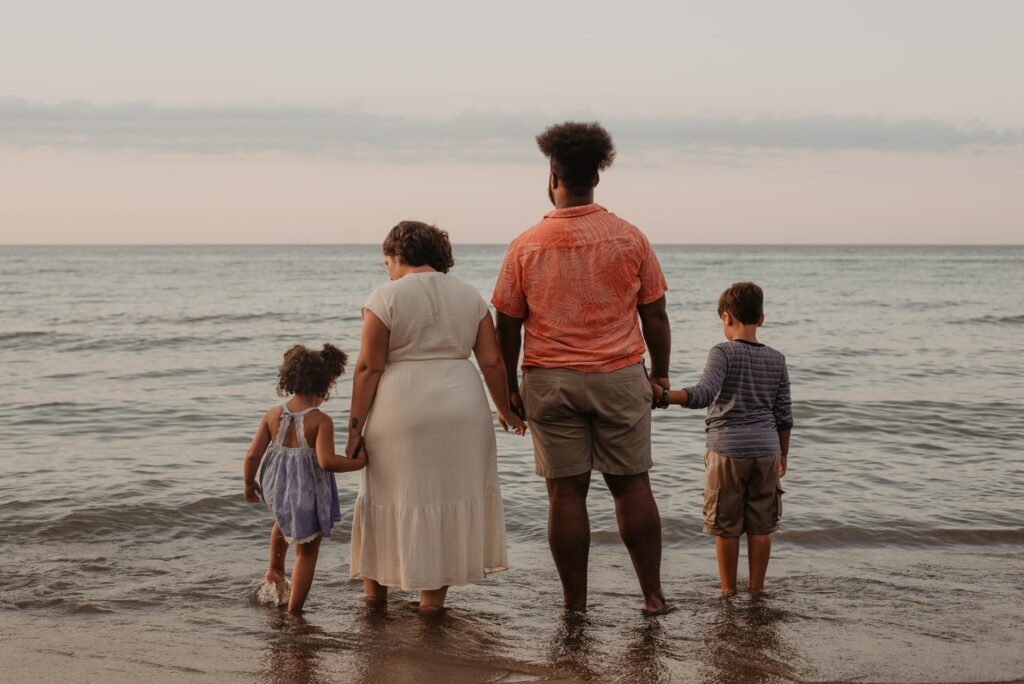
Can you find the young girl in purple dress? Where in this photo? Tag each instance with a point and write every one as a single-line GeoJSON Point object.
{"type": "Point", "coordinates": [291, 464]}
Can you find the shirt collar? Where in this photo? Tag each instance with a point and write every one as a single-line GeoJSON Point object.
{"type": "Point", "coordinates": [573, 212]}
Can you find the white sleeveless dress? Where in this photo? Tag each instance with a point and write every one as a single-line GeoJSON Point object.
{"type": "Point", "coordinates": [429, 511]}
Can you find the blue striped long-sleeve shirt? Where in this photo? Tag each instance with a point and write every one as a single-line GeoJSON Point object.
{"type": "Point", "coordinates": [745, 386]}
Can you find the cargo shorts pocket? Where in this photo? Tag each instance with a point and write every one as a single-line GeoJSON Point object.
{"type": "Point", "coordinates": [710, 508]}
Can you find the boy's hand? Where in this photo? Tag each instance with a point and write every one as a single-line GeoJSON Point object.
{"type": "Point", "coordinates": [783, 465]}
{"type": "Point", "coordinates": [253, 493]}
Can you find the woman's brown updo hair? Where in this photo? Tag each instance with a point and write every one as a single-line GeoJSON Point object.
{"type": "Point", "coordinates": [306, 371]}
{"type": "Point", "coordinates": [418, 244]}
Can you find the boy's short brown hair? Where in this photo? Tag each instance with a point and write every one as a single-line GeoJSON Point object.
{"type": "Point", "coordinates": [743, 301]}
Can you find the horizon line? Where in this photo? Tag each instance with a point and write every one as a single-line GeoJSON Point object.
{"type": "Point", "coordinates": [499, 244]}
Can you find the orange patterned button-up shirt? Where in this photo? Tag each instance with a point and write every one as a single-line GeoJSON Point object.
{"type": "Point", "coordinates": [577, 278]}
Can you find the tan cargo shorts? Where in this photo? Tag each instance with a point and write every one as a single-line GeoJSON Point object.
{"type": "Point", "coordinates": [741, 495]}
{"type": "Point", "coordinates": [589, 421]}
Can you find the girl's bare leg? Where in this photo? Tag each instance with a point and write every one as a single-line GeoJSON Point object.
{"type": "Point", "coordinates": [376, 594]}
{"type": "Point", "coordinates": [728, 551]}
{"type": "Point", "coordinates": [432, 600]}
{"type": "Point", "coordinates": [302, 574]}
{"type": "Point", "coordinates": [275, 573]}
{"type": "Point", "coordinates": [759, 550]}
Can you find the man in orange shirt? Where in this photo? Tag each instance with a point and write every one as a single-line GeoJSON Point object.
{"type": "Point", "coordinates": [576, 282]}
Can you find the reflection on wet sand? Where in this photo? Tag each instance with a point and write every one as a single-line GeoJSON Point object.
{"type": "Point", "coordinates": [646, 653]}
{"type": "Point", "coordinates": [293, 650]}
{"type": "Point", "coordinates": [399, 644]}
{"type": "Point", "coordinates": [743, 643]}
{"type": "Point", "coordinates": [571, 646]}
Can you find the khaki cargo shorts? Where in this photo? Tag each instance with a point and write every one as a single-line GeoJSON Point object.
{"type": "Point", "coordinates": [589, 421]}
{"type": "Point", "coordinates": [741, 495]}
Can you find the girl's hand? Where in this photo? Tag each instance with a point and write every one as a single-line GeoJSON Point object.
{"type": "Point", "coordinates": [512, 420]}
{"type": "Point", "coordinates": [356, 447]}
{"type": "Point", "coordinates": [253, 493]}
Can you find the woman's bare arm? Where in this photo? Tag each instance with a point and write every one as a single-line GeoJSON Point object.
{"type": "Point", "coordinates": [373, 351]}
{"type": "Point", "coordinates": [489, 358]}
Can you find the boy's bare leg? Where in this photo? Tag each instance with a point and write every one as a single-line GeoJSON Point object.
{"type": "Point", "coordinates": [302, 574]}
{"type": "Point", "coordinates": [640, 528]}
{"type": "Point", "coordinates": [432, 600]}
{"type": "Point", "coordinates": [278, 552]}
{"type": "Point", "coordinates": [376, 594]}
{"type": "Point", "coordinates": [759, 549]}
{"type": "Point", "coordinates": [569, 535]}
{"type": "Point", "coordinates": [728, 551]}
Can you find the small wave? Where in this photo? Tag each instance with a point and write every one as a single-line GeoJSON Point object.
{"type": "Point", "coordinates": [992, 320]}
{"type": "Point", "coordinates": [4, 337]}
{"type": "Point", "coordinates": [902, 537]}
{"type": "Point", "coordinates": [202, 518]}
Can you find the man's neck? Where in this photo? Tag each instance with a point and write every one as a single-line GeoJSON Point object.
{"type": "Point", "coordinates": [567, 201]}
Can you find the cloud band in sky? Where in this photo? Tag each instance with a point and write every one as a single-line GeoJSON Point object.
{"type": "Point", "coordinates": [350, 133]}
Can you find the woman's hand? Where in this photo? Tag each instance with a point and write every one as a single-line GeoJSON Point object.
{"type": "Point", "coordinates": [356, 446]}
{"type": "Point", "coordinates": [253, 493]}
{"type": "Point", "coordinates": [510, 419]}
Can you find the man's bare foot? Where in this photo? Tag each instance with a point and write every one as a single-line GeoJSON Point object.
{"type": "Point", "coordinates": [652, 609]}
{"type": "Point", "coordinates": [655, 605]}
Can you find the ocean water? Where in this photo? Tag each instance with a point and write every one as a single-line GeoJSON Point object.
{"type": "Point", "coordinates": [134, 378]}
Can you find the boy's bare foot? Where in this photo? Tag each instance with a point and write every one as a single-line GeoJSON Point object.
{"type": "Point", "coordinates": [728, 593]}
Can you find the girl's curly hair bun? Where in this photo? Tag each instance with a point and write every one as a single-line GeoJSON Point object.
{"type": "Point", "coordinates": [334, 359]}
{"type": "Point", "coordinates": [305, 371]}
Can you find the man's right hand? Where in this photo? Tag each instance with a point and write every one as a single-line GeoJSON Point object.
{"type": "Point", "coordinates": [515, 402]}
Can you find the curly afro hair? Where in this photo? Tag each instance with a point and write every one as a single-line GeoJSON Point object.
{"type": "Point", "coordinates": [418, 244]}
{"type": "Point", "coordinates": [307, 371]}
{"type": "Point", "coordinates": [577, 152]}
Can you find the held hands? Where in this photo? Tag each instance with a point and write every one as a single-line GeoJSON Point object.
{"type": "Point", "coordinates": [253, 493]}
{"type": "Point", "coordinates": [356, 450]}
{"type": "Point", "coordinates": [515, 402]}
{"type": "Point", "coordinates": [659, 387]}
{"type": "Point", "coordinates": [511, 419]}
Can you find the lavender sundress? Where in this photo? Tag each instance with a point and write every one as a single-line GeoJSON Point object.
{"type": "Point", "coordinates": [302, 496]}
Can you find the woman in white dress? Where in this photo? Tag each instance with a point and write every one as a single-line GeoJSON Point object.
{"type": "Point", "coordinates": [429, 512]}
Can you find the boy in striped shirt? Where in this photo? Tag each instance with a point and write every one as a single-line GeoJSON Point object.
{"type": "Point", "coordinates": [745, 387]}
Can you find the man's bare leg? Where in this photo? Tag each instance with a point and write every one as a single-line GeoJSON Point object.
{"type": "Point", "coordinates": [759, 550]}
{"type": "Point", "coordinates": [728, 551]}
{"type": "Point", "coordinates": [569, 535]}
{"type": "Point", "coordinates": [640, 529]}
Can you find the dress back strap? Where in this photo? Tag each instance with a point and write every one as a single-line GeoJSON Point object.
{"type": "Point", "coordinates": [290, 418]}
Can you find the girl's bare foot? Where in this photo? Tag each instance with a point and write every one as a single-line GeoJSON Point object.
{"type": "Point", "coordinates": [282, 587]}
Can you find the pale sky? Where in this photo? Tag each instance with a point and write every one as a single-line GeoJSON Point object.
{"type": "Point", "coordinates": [327, 122]}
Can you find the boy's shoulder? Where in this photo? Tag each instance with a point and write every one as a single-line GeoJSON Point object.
{"type": "Point", "coordinates": [734, 347]}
